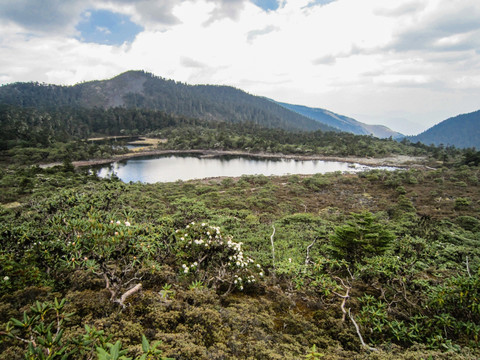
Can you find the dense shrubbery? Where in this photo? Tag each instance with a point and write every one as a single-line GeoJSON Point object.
{"type": "Point", "coordinates": [401, 265]}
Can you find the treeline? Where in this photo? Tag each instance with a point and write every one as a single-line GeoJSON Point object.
{"type": "Point", "coordinates": [462, 131]}
{"type": "Point", "coordinates": [31, 136]}
{"type": "Point", "coordinates": [249, 137]}
{"type": "Point", "coordinates": [41, 128]}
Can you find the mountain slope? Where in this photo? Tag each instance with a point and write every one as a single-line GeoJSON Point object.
{"type": "Point", "coordinates": [342, 123]}
{"type": "Point", "coordinates": [462, 131]}
{"type": "Point", "coordinates": [138, 89]}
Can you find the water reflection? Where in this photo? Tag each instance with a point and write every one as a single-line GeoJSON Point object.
{"type": "Point", "coordinates": [187, 167]}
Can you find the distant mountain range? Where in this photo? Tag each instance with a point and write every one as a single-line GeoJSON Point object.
{"type": "Point", "coordinates": [342, 123]}
{"type": "Point", "coordinates": [142, 90]}
{"type": "Point", "coordinates": [138, 89]}
{"type": "Point", "coordinates": [462, 131]}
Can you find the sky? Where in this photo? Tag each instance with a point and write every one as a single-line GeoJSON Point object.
{"type": "Point", "coordinates": [406, 64]}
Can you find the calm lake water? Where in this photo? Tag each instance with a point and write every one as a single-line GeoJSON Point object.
{"type": "Point", "coordinates": [169, 168]}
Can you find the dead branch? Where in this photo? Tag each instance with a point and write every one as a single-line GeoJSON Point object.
{"type": "Point", "coordinates": [128, 293]}
{"type": "Point", "coordinates": [113, 293]}
{"type": "Point", "coordinates": [344, 297]}
{"type": "Point", "coordinates": [468, 267]}
{"type": "Point", "coordinates": [359, 334]}
{"type": "Point", "coordinates": [307, 258]}
{"type": "Point", "coordinates": [342, 306]}
{"type": "Point", "coordinates": [273, 248]}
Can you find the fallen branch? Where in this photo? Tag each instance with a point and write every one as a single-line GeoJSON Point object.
{"type": "Point", "coordinates": [359, 334]}
{"type": "Point", "coordinates": [344, 297]}
{"type": "Point", "coordinates": [128, 293]}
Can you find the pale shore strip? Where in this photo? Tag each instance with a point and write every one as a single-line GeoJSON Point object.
{"type": "Point", "coordinates": [395, 160]}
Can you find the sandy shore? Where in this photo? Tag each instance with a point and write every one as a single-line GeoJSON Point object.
{"type": "Point", "coordinates": [397, 160]}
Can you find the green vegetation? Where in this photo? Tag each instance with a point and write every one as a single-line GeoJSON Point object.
{"type": "Point", "coordinates": [379, 265]}
{"type": "Point", "coordinates": [34, 136]}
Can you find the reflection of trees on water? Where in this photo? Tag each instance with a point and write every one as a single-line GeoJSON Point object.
{"type": "Point", "coordinates": [166, 168]}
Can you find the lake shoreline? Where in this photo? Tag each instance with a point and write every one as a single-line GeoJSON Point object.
{"type": "Point", "coordinates": [395, 160]}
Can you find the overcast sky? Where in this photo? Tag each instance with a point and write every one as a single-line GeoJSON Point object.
{"type": "Point", "coordinates": [407, 64]}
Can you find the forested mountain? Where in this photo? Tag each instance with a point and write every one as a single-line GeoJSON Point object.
{"type": "Point", "coordinates": [342, 123]}
{"type": "Point", "coordinates": [462, 131]}
{"type": "Point", "coordinates": [141, 90]}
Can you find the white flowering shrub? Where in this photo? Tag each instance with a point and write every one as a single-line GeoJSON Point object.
{"type": "Point", "coordinates": [96, 244]}
{"type": "Point", "coordinates": [207, 255]}
{"type": "Point", "coordinates": [115, 250]}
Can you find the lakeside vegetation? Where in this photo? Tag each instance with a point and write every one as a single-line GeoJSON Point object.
{"type": "Point", "coordinates": [376, 265]}
{"type": "Point", "coordinates": [34, 136]}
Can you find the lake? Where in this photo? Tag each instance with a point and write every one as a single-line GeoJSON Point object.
{"type": "Point", "coordinates": [167, 168]}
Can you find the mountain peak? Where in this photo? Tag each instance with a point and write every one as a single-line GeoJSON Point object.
{"type": "Point", "coordinates": [141, 90]}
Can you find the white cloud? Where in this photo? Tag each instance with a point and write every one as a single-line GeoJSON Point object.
{"type": "Point", "coordinates": [42, 16]}
{"type": "Point", "coordinates": [103, 29]}
{"type": "Point", "coordinates": [380, 59]}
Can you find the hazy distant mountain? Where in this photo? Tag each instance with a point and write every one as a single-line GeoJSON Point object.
{"type": "Point", "coordinates": [462, 131]}
{"type": "Point", "coordinates": [138, 89]}
{"type": "Point", "coordinates": [342, 123]}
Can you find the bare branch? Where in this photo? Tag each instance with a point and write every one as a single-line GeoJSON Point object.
{"type": "Point", "coordinates": [359, 334]}
{"type": "Point", "coordinates": [468, 267]}
{"type": "Point", "coordinates": [128, 293]}
{"type": "Point", "coordinates": [341, 280]}
{"type": "Point", "coordinates": [307, 258]}
{"type": "Point", "coordinates": [133, 279]}
{"type": "Point", "coordinates": [273, 248]}
{"type": "Point", "coordinates": [113, 293]}
{"type": "Point", "coordinates": [344, 297]}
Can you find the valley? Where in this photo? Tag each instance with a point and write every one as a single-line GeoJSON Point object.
{"type": "Point", "coordinates": [375, 264]}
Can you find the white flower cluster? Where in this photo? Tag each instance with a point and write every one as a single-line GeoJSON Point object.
{"type": "Point", "coordinates": [118, 222]}
{"type": "Point", "coordinates": [237, 258]}
{"type": "Point", "coordinates": [239, 281]}
{"type": "Point", "coordinates": [203, 238]}
{"type": "Point", "coordinates": [212, 237]}
{"type": "Point", "coordinates": [186, 268]}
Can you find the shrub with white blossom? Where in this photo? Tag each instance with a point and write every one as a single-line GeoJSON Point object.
{"type": "Point", "coordinates": [115, 250]}
{"type": "Point", "coordinates": [209, 256]}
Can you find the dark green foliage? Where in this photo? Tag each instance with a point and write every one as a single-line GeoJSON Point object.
{"type": "Point", "coordinates": [363, 236]}
{"type": "Point", "coordinates": [140, 90]}
{"type": "Point", "coordinates": [472, 157]}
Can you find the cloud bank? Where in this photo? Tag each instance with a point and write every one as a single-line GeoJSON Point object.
{"type": "Point", "coordinates": [378, 61]}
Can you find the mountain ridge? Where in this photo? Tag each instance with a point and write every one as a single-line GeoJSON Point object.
{"type": "Point", "coordinates": [341, 122]}
{"type": "Point", "coordinates": [461, 131]}
{"type": "Point", "coordinates": [139, 89]}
